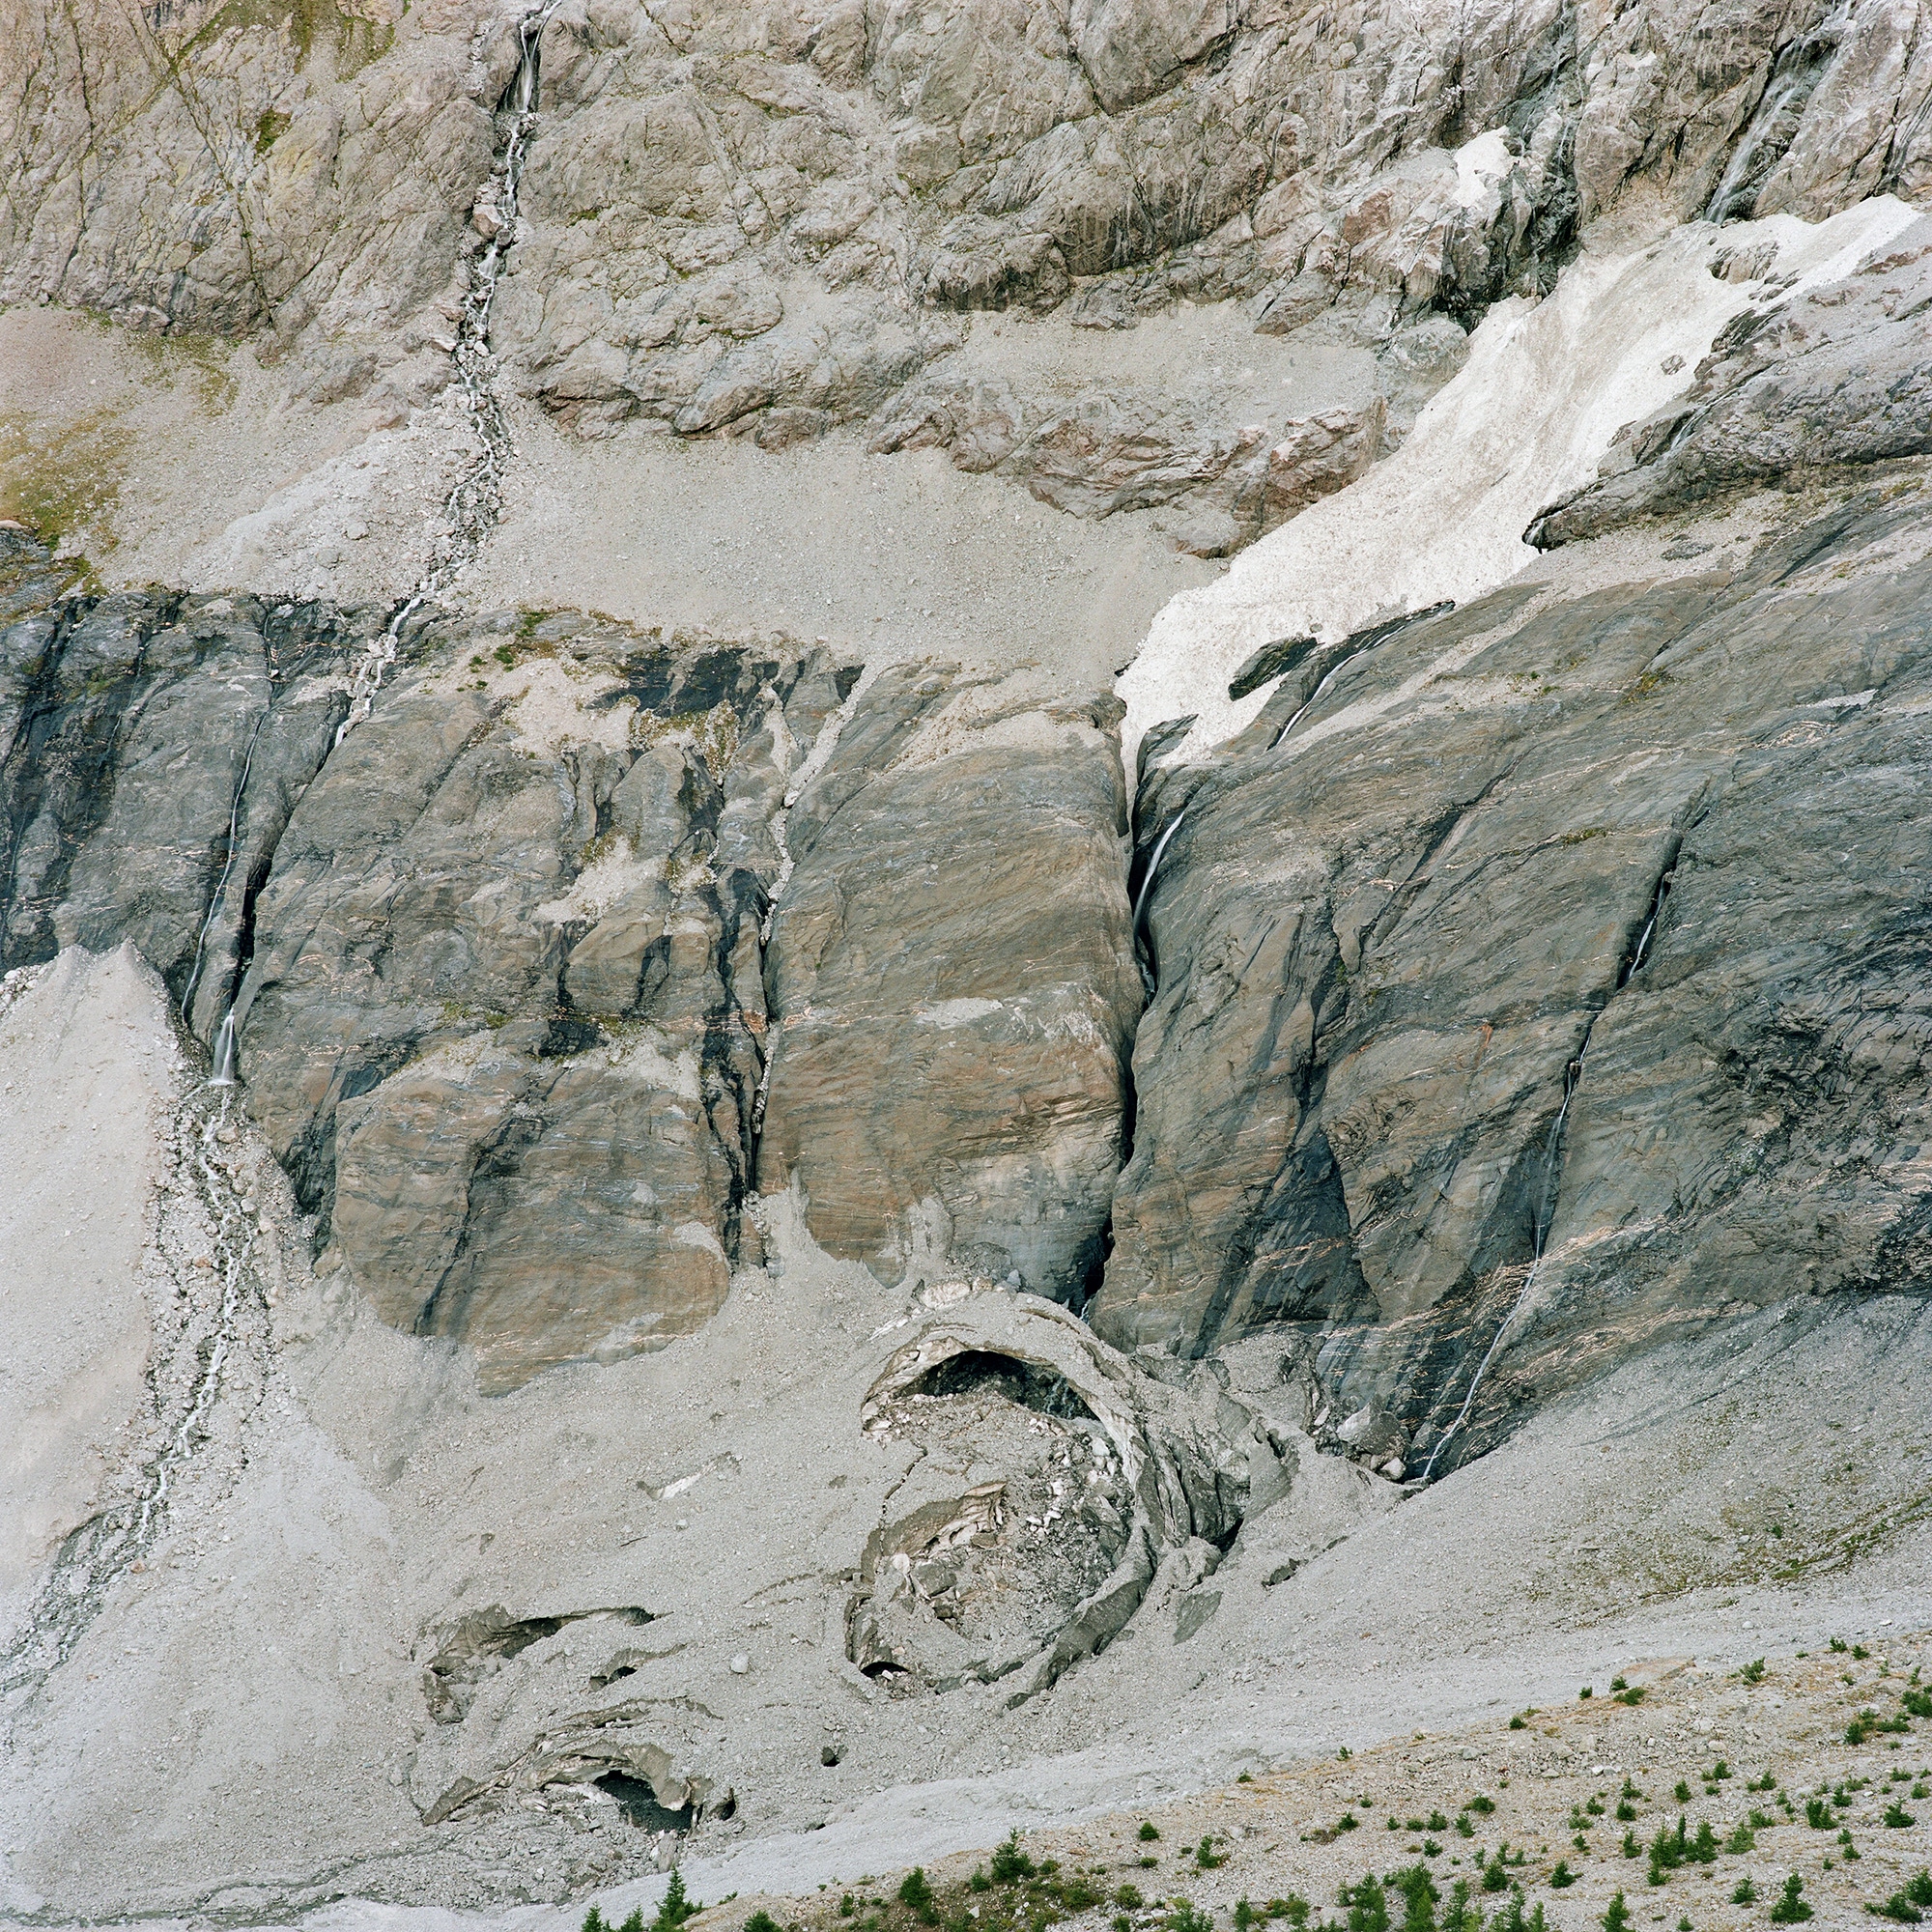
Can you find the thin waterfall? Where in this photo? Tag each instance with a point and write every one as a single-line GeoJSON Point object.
{"type": "Point", "coordinates": [1134, 928]}
{"type": "Point", "coordinates": [223, 1056]}
{"type": "Point", "coordinates": [1774, 125]}
{"type": "Point", "coordinates": [220, 898]}
{"type": "Point", "coordinates": [1354, 646]}
{"type": "Point", "coordinates": [1736, 193]}
{"type": "Point", "coordinates": [473, 506]}
{"type": "Point", "coordinates": [815, 760]}
{"type": "Point", "coordinates": [1637, 958]}
{"type": "Point", "coordinates": [1153, 865]}
{"type": "Point", "coordinates": [1307, 701]}
{"type": "Point", "coordinates": [1546, 1208]}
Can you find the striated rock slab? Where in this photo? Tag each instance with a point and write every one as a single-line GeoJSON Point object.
{"type": "Point", "coordinates": [152, 746]}
{"type": "Point", "coordinates": [1571, 926]}
{"type": "Point", "coordinates": [493, 959]}
{"type": "Point", "coordinates": [952, 990]}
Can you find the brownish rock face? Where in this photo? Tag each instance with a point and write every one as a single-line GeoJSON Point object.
{"type": "Point", "coordinates": [505, 1005]}
{"type": "Point", "coordinates": [952, 992]}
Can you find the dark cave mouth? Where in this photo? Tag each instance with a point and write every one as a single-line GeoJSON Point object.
{"type": "Point", "coordinates": [638, 1804]}
{"type": "Point", "coordinates": [987, 1370]}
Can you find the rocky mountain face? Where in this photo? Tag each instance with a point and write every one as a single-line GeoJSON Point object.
{"type": "Point", "coordinates": [1518, 967]}
{"type": "Point", "coordinates": [766, 217]}
{"type": "Point", "coordinates": [949, 1088]}
{"type": "Point", "coordinates": [1530, 1007]}
{"type": "Point", "coordinates": [696, 1199]}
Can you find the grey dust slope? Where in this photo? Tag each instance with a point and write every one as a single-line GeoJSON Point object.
{"type": "Point", "coordinates": [678, 1186]}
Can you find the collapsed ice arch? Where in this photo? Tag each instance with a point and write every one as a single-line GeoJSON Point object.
{"type": "Point", "coordinates": [1187, 1480]}
{"type": "Point", "coordinates": [1177, 1471]}
{"type": "Point", "coordinates": [612, 1749]}
{"type": "Point", "coordinates": [596, 1749]}
{"type": "Point", "coordinates": [640, 1805]}
{"type": "Point", "coordinates": [1031, 1387]}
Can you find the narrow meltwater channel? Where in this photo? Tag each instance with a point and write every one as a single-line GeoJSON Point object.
{"type": "Point", "coordinates": [1546, 1207]}
{"type": "Point", "coordinates": [209, 1349]}
{"type": "Point", "coordinates": [220, 898]}
{"type": "Point", "coordinates": [473, 506]}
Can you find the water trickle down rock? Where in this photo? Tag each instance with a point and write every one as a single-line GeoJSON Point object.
{"type": "Point", "coordinates": [157, 743]}
{"type": "Point", "coordinates": [503, 1023]}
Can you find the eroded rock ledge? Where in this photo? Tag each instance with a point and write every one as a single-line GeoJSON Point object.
{"type": "Point", "coordinates": [771, 219]}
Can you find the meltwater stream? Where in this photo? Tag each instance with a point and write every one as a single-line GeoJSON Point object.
{"type": "Point", "coordinates": [1545, 1205]}
{"type": "Point", "coordinates": [473, 506]}
{"type": "Point", "coordinates": [1546, 1210]}
{"type": "Point", "coordinates": [210, 1349]}
{"type": "Point", "coordinates": [220, 898]}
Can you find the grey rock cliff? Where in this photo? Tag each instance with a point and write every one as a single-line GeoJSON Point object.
{"type": "Point", "coordinates": [152, 747]}
{"type": "Point", "coordinates": [1546, 986]}
{"type": "Point", "coordinates": [505, 1007]}
{"type": "Point", "coordinates": [503, 998]}
{"type": "Point", "coordinates": [1516, 1008]}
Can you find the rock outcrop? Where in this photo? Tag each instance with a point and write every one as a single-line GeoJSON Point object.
{"type": "Point", "coordinates": [584, 940]}
{"type": "Point", "coordinates": [492, 958]}
{"type": "Point", "coordinates": [952, 995]}
{"type": "Point", "coordinates": [152, 747]}
{"type": "Point", "coordinates": [1839, 380]}
{"type": "Point", "coordinates": [499, 959]}
{"type": "Point", "coordinates": [1545, 986]}
{"type": "Point", "coordinates": [770, 219]}
{"type": "Point", "coordinates": [505, 1006]}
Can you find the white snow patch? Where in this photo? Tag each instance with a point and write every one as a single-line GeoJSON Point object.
{"type": "Point", "coordinates": [1547, 386]}
{"type": "Point", "coordinates": [1479, 165]}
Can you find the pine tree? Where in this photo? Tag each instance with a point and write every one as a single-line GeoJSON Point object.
{"type": "Point", "coordinates": [1368, 1907]}
{"type": "Point", "coordinates": [677, 1908]}
{"type": "Point", "coordinates": [1419, 1895]}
